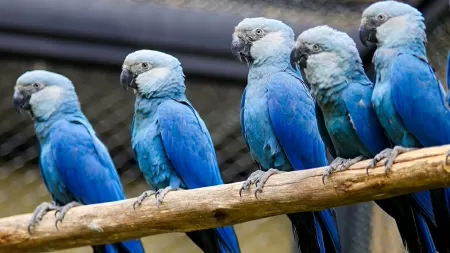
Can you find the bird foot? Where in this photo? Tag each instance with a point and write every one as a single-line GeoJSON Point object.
{"type": "Point", "coordinates": [259, 178]}
{"type": "Point", "coordinates": [40, 212]}
{"type": "Point", "coordinates": [141, 198]}
{"type": "Point", "coordinates": [340, 164]}
{"type": "Point", "coordinates": [161, 194]}
{"type": "Point", "coordinates": [262, 179]}
{"type": "Point", "coordinates": [61, 212]}
{"type": "Point", "coordinates": [390, 155]}
{"type": "Point", "coordinates": [250, 180]}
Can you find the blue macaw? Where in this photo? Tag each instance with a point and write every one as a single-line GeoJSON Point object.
{"type": "Point", "coordinates": [408, 98]}
{"type": "Point", "coordinates": [349, 125]}
{"type": "Point", "coordinates": [278, 122]}
{"type": "Point", "coordinates": [170, 141]}
{"type": "Point", "coordinates": [448, 81]}
{"type": "Point", "coordinates": [75, 165]}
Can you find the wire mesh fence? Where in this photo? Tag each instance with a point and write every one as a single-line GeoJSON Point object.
{"type": "Point", "coordinates": [363, 227]}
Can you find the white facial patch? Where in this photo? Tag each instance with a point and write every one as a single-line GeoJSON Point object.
{"type": "Point", "coordinates": [263, 45]}
{"type": "Point", "coordinates": [324, 69]}
{"type": "Point", "coordinates": [46, 101]}
{"type": "Point", "coordinates": [148, 82]}
{"type": "Point", "coordinates": [397, 30]}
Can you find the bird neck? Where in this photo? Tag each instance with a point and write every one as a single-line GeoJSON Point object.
{"type": "Point", "coordinates": [331, 80]}
{"type": "Point", "coordinates": [165, 83]}
{"type": "Point", "coordinates": [43, 127]}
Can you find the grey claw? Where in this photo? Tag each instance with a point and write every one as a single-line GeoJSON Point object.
{"type": "Point", "coordinates": [39, 213]}
{"type": "Point", "coordinates": [446, 158]}
{"type": "Point", "coordinates": [327, 173]}
{"type": "Point", "coordinates": [262, 178]}
{"type": "Point", "coordinates": [141, 198]}
{"type": "Point", "coordinates": [250, 180]}
{"type": "Point", "coordinates": [62, 212]}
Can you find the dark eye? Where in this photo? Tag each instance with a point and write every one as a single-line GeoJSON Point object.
{"type": "Point", "coordinates": [381, 17]}
{"type": "Point", "coordinates": [36, 85]}
{"type": "Point", "coordinates": [144, 65]}
{"type": "Point", "coordinates": [258, 31]}
{"type": "Point", "coordinates": [315, 48]}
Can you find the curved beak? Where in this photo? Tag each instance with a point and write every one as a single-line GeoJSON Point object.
{"type": "Point", "coordinates": [127, 79]}
{"type": "Point", "coordinates": [240, 49]}
{"type": "Point", "coordinates": [21, 101]}
{"type": "Point", "coordinates": [299, 57]}
{"type": "Point", "coordinates": [367, 32]}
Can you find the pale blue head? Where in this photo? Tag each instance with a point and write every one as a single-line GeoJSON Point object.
{"type": "Point", "coordinates": [43, 93]}
{"type": "Point", "coordinates": [391, 24]}
{"type": "Point", "coordinates": [327, 56]}
{"type": "Point", "coordinates": [152, 73]}
{"type": "Point", "coordinates": [259, 40]}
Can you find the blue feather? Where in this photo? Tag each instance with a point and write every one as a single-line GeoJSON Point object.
{"type": "Point", "coordinates": [288, 95]}
{"type": "Point", "coordinates": [189, 148]}
{"type": "Point", "coordinates": [85, 168]}
{"type": "Point", "coordinates": [294, 144]}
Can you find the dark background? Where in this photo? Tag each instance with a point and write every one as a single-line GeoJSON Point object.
{"type": "Point", "coordinates": [88, 40]}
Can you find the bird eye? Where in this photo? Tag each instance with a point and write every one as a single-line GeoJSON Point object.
{"type": "Point", "coordinates": [315, 48]}
{"type": "Point", "coordinates": [36, 85]}
{"type": "Point", "coordinates": [381, 17]}
{"type": "Point", "coordinates": [144, 65]}
{"type": "Point", "coordinates": [258, 31]}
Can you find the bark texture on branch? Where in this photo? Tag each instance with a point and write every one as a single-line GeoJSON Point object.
{"type": "Point", "coordinates": [184, 211]}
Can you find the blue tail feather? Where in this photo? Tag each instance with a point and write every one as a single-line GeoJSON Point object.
{"type": "Point", "coordinates": [228, 240]}
{"type": "Point", "coordinates": [425, 233]}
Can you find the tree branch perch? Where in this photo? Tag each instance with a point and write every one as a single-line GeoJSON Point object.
{"type": "Point", "coordinates": [184, 211]}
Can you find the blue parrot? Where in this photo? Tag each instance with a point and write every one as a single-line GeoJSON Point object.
{"type": "Point", "coordinates": [170, 141]}
{"type": "Point", "coordinates": [349, 125]}
{"type": "Point", "coordinates": [75, 165]}
{"type": "Point", "coordinates": [408, 98]}
{"type": "Point", "coordinates": [448, 81]}
{"type": "Point", "coordinates": [278, 122]}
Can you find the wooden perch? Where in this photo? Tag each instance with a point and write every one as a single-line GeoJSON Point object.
{"type": "Point", "coordinates": [217, 206]}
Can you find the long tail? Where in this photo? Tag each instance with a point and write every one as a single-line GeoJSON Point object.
{"type": "Point", "coordinates": [228, 240]}
{"type": "Point", "coordinates": [132, 246]}
{"type": "Point", "coordinates": [221, 240]}
{"type": "Point", "coordinates": [206, 240]}
{"type": "Point", "coordinates": [440, 199]}
{"type": "Point", "coordinates": [414, 216]}
{"type": "Point", "coordinates": [316, 232]}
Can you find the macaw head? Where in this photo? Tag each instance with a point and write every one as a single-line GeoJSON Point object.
{"type": "Point", "coordinates": [152, 73]}
{"type": "Point", "coordinates": [325, 54]}
{"type": "Point", "coordinates": [42, 93]}
{"type": "Point", "coordinates": [391, 23]}
{"type": "Point", "coordinates": [256, 40]}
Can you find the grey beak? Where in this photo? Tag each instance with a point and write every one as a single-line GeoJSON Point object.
{"type": "Point", "coordinates": [127, 80]}
{"type": "Point", "coordinates": [298, 57]}
{"type": "Point", "coordinates": [367, 32]}
{"type": "Point", "coordinates": [21, 101]}
{"type": "Point", "coordinates": [240, 49]}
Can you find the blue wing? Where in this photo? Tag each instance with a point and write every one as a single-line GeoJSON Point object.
{"type": "Point", "coordinates": [241, 115]}
{"type": "Point", "coordinates": [188, 145]}
{"type": "Point", "coordinates": [84, 164]}
{"type": "Point", "coordinates": [292, 113]}
{"type": "Point", "coordinates": [323, 131]}
{"type": "Point", "coordinates": [189, 148]}
{"type": "Point", "coordinates": [87, 169]}
{"type": "Point", "coordinates": [419, 100]}
{"type": "Point", "coordinates": [365, 121]}
{"type": "Point", "coordinates": [448, 71]}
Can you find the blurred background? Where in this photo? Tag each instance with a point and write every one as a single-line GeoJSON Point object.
{"type": "Point", "coordinates": [88, 40]}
